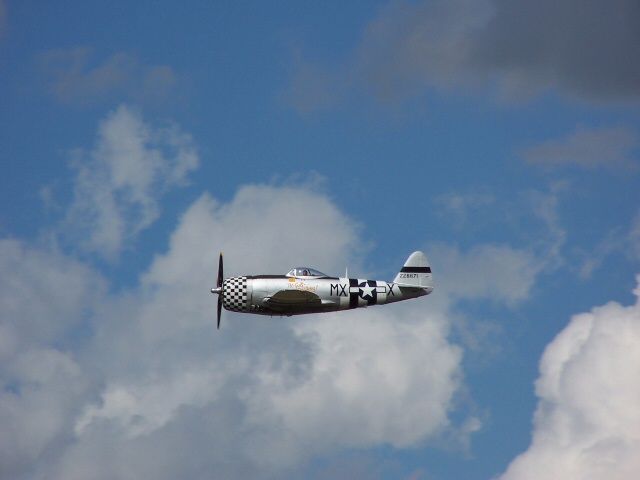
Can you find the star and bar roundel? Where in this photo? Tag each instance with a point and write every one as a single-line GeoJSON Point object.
{"type": "Point", "coordinates": [366, 290]}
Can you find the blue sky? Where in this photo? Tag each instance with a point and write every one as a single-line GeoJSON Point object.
{"type": "Point", "coordinates": [139, 140]}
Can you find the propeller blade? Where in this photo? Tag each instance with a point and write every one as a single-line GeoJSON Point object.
{"type": "Point", "coordinates": [220, 288]}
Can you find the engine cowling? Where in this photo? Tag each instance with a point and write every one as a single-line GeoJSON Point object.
{"type": "Point", "coordinates": [236, 295]}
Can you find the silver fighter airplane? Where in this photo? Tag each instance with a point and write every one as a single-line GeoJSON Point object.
{"type": "Point", "coordinates": [305, 290]}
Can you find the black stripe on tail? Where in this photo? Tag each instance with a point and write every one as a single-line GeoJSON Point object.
{"type": "Point", "coordinates": [415, 270]}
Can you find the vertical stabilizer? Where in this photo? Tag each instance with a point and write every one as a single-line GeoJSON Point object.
{"type": "Point", "coordinates": [416, 272]}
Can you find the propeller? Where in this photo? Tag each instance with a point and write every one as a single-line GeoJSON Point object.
{"type": "Point", "coordinates": [219, 288]}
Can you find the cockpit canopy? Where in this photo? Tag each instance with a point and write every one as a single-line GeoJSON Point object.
{"type": "Point", "coordinates": [305, 272]}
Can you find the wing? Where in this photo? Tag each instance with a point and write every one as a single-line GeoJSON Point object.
{"type": "Point", "coordinates": [293, 298]}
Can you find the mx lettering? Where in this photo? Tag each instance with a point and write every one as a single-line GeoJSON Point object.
{"type": "Point", "coordinates": [341, 290]}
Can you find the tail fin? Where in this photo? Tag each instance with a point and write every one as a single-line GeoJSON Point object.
{"type": "Point", "coordinates": [416, 272]}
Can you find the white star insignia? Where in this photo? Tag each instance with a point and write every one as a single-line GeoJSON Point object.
{"type": "Point", "coordinates": [367, 291]}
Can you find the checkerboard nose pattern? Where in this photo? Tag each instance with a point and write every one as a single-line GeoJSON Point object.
{"type": "Point", "coordinates": [235, 294]}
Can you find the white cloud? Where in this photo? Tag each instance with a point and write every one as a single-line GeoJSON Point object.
{"type": "Point", "coordinates": [368, 384]}
{"type": "Point", "coordinates": [43, 390]}
{"type": "Point", "coordinates": [277, 384]}
{"type": "Point", "coordinates": [44, 297]}
{"type": "Point", "coordinates": [294, 224]}
{"type": "Point", "coordinates": [118, 185]}
{"type": "Point", "coordinates": [499, 273]}
{"type": "Point", "coordinates": [587, 424]}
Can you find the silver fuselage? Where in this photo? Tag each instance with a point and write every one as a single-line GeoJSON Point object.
{"type": "Point", "coordinates": [287, 295]}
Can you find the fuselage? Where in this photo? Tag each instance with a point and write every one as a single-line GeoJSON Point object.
{"type": "Point", "coordinates": [294, 295]}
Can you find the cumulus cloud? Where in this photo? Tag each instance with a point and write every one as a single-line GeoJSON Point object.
{"type": "Point", "coordinates": [268, 375]}
{"type": "Point", "coordinates": [364, 362]}
{"type": "Point", "coordinates": [72, 77]}
{"type": "Point", "coordinates": [151, 389]}
{"type": "Point", "coordinates": [118, 185]}
{"type": "Point", "coordinates": [45, 299]}
{"type": "Point", "coordinates": [588, 148]}
{"type": "Point", "coordinates": [42, 296]}
{"type": "Point", "coordinates": [587, 424]}
{"type": "Point", "coordinates": [585, 50]}
{"type": "Point", "coordinates": [499, 273]}
{"type": "Point", "coordinates": [297, 219]}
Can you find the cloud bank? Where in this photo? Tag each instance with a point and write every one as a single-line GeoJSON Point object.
{"type": "Point", "coordinates": [138, 384]}
{"type": "Point", "coordinates": [151, 389]}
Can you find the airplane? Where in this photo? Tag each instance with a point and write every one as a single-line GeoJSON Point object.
{"type": "Point", "coordinates": [306, 290]}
